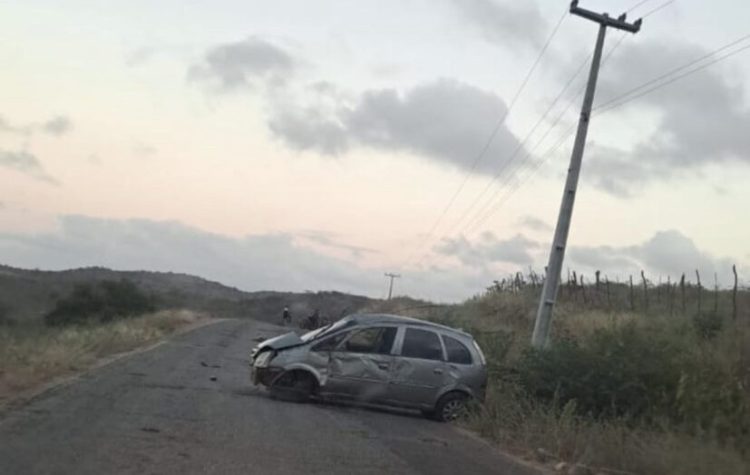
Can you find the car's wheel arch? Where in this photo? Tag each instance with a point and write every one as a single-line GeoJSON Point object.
{"type": "Point", "coordinates": [453, 389]}
{"type": "Point", "coordinates": [445, 400]}
{"type": "Point", "coordinates": [304, 369]}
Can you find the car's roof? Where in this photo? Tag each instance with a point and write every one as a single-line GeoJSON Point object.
{"type": "Point", "coordinates": [385, 318]}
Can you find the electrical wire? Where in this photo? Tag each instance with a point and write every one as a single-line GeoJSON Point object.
{"type": "Point", "coordinates": [479, 218]}
{"type": "Point", "coordinates": [509, 161]}
{"type": "Point", "coordinates": [628, 96]}
{"type": "Point", "coordinates": [483, 214]}
{"type": "Point", "coordinates": [663, 5]}
{"type": "Point", "coordinates": [666, 75]}
{"type": "Point", "coordinates": [492, 136]}
{"type": "Point", "coordinates": [637, 5]}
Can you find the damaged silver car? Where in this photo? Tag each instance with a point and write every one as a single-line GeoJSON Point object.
{"type": "Point", "coordinates": [380, 359]}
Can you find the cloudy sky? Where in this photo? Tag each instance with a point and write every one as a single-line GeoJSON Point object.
{"type": "Point", "coordinates": [315, 145]}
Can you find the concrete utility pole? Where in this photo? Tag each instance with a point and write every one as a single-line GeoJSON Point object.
{"type": "Point", "coordinates": [557, 253]}
{"type": "Point", "coordinates": [390, 288]}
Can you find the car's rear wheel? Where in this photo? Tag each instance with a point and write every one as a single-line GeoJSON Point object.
{"type": "Point", "coordinates": [295, 386]}
{"type": "Point", "coordinates": [451, 406]}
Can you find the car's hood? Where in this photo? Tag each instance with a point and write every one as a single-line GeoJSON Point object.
{"type": "Point", "coordinates": [286, 340]}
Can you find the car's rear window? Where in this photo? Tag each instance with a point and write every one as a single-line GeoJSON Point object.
{"type": "Point", "coordinates": [422, 344]}
{"type": "Point", "coordinates": [457, 351]}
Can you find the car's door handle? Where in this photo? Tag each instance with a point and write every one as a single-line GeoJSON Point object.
{"type": "Point", "coordinates": [438, 370]}
{"type": "Point", "coordinates": [383, 365]}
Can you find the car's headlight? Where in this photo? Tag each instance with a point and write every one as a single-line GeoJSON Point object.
{"type": "Point", "coordinates": [262, 360]}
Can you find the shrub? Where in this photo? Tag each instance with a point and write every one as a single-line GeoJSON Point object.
{"type": "Point", "coordinates": [623, 371]}
{"type": "Point", "coordinates": [644, 374]}
{"type": "Point", "coordinates": [707, 325]}
{"type": "Point", "coordinates": [103, 301]}
{"type": "Point", "coordinates": [5, 318]}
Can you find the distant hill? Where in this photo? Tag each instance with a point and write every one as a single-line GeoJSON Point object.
{"type": "Point", "coordinates": [30, 294]}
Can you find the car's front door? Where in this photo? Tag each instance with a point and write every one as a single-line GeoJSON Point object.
{"type": "Point", "coordinates": [360, 367]}
{"type": "Point", "coordinates": [419, 369]}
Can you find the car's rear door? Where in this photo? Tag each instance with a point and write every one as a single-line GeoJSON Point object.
{"type": "Point", "coordinates": [361, 366]}
{"type": "Point", "coordinates": [418, 368]}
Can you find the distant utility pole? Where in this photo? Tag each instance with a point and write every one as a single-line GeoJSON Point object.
{"type": "Point", "coordinates": [557, 253]}
{"type": "Point", "coordinates": [390, 287]}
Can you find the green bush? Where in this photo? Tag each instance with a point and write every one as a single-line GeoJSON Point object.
{"type": "Point", "coordinates": [5, 318]}
{"type": "Point", "coordinates": [707, 325]}
{"type": "Point", "coordinates": [618, 372]}
{"type": "Point", "coordinates": [102, 302]}
{"type": "Point", "coordinates": [640, 373]}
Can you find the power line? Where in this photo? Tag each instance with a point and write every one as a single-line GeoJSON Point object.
{"type": "Point", "coordinates": [609, 103]}
{"type": "Point", "coordinates": [542, 324]}
{"type": "Point", "coordinates": [479, 220]}
{"type": "Point", "coordinates": [511, 158]}
{"type": "Point", "coordinates": [534, 169]}
{"type": "Point", "coordinates": [492, 136]}
{"type": "Point", "coordinates": [663, 5]}
{"type": "Point", "coordinates": [617, 102]}
{"type": "Point", "coordinates": [642, 2]}
{"type": "Point", "coordinates": [674, 79]}
{"type": "Point", "coordinates": [509, 161]}
{"type": "Point", "coordinates": [613, 104]}
{"type": "Point", "coordinates": [482, 215]}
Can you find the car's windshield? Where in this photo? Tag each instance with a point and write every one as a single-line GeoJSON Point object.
{"type": "Point", "coordinates": [331, 327]}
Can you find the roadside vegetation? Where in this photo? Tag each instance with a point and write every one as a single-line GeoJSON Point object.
{"type": "Point", "coordinates": [649, 380]}
{"type": "Point", "coordinates": [91, 323]}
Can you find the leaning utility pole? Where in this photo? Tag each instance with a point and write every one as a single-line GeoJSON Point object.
{"type": "Point", "coordinates": [557, 253]}
{"type": "Point", "coordinates": [390, 288]}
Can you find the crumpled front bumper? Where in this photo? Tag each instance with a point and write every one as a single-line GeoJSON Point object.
{"type": "Point", "coordinates": [265, 375]}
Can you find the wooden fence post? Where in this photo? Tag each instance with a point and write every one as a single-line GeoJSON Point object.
{"type": "Point", "coordinates": [682, 291]}
{"type": "Point", "coordinates": [609, 300]}
{"type": "Point", "coordinates": [658, 293]}
{"type": "Point", "coordinates": [583, 291]}
{"type": "Point", "coordinates": [670, 296]}
{"type": "Point", "coordinates": [734, 293]}
{"type": "Point", "coordinates": [645, 291]}
{"type": "Point", "coordinates": [700, 296]}
{"type": "Point", "coordinates": [632, 300]}
{"type": "Point", "coordinates": [716, 294]}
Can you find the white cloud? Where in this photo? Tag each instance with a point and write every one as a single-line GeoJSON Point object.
{"type": "Point", "coordinates": [242, 64]}
{"type": "Point", "coordinates": [445, 120]}
{"type": "Point", "coordinates": [256, 262]}
{"type": "Point", "coordinates": [702, 119]}
{"type": "Point", "coordinates": [489, 250]}
{"type": "Point", "coordinates": [25, 163]}
{"type": "Point", "coordinates": [58, 125]}
{"type": "Point", "coordinates": [666, 253]}
{"type": "Point", "coordinates": [507, 22]}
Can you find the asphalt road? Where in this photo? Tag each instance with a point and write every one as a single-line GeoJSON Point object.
{"type": "Point", "coordinates": [187, 406]}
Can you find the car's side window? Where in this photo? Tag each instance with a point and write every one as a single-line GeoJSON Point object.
{"type": "Point", "coordinates": [422, 344]}
{"type": "Point", "coordinates": [330, 343]}
{"type": "Point", "coordinates": [371, 340]}
{"type": "Point", "coordinates": [457, 351]}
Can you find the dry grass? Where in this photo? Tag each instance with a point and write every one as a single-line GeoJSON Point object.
{"type": "Point", "coordinates": [503, 321]}
{"type": "Point", "coordinates": [31, 355]}
{"type": "Point", "coordinates": [528, 429]}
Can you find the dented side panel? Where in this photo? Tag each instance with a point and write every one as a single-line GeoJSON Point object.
{"type": "Point", "coordinates": [417, 382]}
{"type": "Point", "coordinates": [358, 375]}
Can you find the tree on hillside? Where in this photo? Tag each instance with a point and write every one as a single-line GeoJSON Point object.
{"type": "Point", "coordinates": [5, 314]}
{"type": "Point", "coordinates": [100, 302]}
